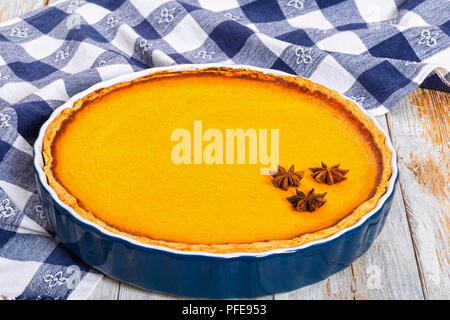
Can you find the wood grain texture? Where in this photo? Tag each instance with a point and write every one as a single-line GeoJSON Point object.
{"type": "Point", "coordinates": [388, 270]}
{"type": "Point", "coordinates": [339, 286]}
{"type": "Point", "coordinates": [419, 128]}
{"type": "Point", "coordinates": [52, 2]}
{"type": "Point", "coordinates": [107, 289]}
{"type": "Point", "coordinates": [13, 8]}
{"type": "Point", "coordinates": [129, 292]}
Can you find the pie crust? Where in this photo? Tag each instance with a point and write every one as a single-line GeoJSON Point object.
{"type": "Point", "coordinates": [373, 133]}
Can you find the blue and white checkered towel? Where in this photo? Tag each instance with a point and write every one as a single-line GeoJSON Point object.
{"type": "Point", "coordinates": [375, 52]}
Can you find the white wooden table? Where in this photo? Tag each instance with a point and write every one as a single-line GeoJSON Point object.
{"type": "Point", "coordinates": [410, 258]}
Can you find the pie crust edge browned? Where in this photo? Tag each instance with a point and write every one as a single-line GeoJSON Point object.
{"type": "Point", "coordinates": [374, 134]}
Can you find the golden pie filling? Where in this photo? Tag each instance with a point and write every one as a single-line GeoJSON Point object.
{"type": "Point", "coordinates": [110, 158]}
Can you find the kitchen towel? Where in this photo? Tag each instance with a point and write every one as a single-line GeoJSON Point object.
{"type": "Point", "coordinates": [375, 52]}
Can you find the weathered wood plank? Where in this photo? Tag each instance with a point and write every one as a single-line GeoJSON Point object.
{"type": "Point", "coordinates": [388, 270]}
{"type": "Point", "coordinates": [52, 2]}
{"type": "Point", "coordinates": [107, 289]}
{"type": "Point", "coordinates": [420, 131]}
{"type": "Point", "coordinates": [337, 287]}
{"type": "Point", "coordinates": [13, 8]}
{"type": "Point", "coordinates": [129, 292]}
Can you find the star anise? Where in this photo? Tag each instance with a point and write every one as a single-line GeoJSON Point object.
{"type": "Point", "coordinates": [328, 175]}
{"type": "Point", "coordinates": [310, 202]}
{"type": "Point", "coordinates": [284, 179]}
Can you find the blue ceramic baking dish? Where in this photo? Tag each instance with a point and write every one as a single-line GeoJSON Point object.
{"type": "Point", "coordinates": [201, 274]}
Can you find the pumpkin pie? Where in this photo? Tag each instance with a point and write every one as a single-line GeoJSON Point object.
{"type": "Point", "coordinates": [109, 157]}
